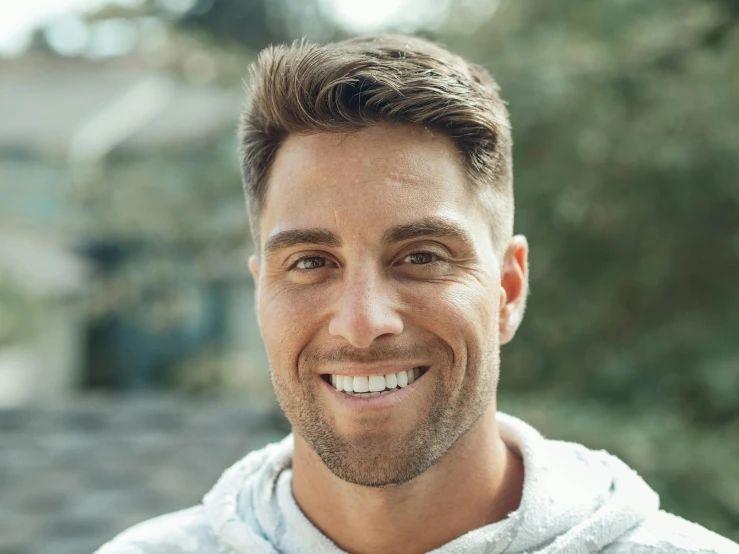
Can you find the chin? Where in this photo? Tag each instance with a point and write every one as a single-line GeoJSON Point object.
{"type": "Point", "coordinates": [373, 461]}
{"type": "Point", "coordinates": [379, 458]}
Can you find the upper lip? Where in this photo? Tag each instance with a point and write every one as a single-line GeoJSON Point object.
{"type": "Point", "coordinates": [375, 369]}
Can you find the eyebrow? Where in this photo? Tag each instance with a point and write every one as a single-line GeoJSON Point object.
{"type": "Point", "coordinates": [426, 227]}
{"type": "Point", "coordinates": [294, 237]}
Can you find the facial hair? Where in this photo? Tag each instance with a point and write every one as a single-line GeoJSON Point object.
{"type": "Point", "coordinates": [378, 458]}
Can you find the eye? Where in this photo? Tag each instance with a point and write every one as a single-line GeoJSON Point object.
{"type": "Point", "coordinates": [420, 258]}
{"type": "Point", "coordinates": [309, 263]}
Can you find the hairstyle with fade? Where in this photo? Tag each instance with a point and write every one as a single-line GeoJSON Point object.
{"type": "Point", "coordinates": [346, 86]}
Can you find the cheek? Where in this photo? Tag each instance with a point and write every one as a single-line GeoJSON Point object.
{"type": "Point", "coordinates": [464, 317]}
{"type": "Point", "coordinates": [287, 318]}
{"type": "Point", "coordinates": [459, 313]}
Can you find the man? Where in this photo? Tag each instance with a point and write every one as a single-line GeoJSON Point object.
{"type": "Point", "coordinates": [378, 178]}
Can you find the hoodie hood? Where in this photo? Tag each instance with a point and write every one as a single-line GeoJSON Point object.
{"type": "Point", "coordinates": [574, 500]}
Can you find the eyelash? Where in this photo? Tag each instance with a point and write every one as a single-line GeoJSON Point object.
{"type": "Point", "coordinates": [294, 265]}
{"type": "Point", "coordinates": [436, 259]}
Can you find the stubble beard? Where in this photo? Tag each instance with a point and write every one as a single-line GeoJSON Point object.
{"type": "Point", "coordinates": [376, 459]}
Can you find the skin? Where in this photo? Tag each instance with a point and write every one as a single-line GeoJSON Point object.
{"type": "Point", "coordinates": [370, 289]}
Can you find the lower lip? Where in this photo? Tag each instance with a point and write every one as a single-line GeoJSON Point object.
{"type": "Point", "coordinates": [377, 402]}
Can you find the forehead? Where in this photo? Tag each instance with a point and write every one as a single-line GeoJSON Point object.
{"type": "Point", "coordinates": [366, 181]}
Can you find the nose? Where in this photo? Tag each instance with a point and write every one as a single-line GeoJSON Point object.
{"type": "Point", "coordinates": [365, 311]}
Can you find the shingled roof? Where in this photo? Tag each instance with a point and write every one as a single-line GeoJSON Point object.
{"type": "Point", "coordinates": [74, 475]}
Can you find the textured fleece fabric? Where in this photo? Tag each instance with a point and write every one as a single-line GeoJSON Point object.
{"type": "Point", "coordinates": [575, 501]}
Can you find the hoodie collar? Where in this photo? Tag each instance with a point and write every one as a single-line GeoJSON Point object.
{"type": "Point", "coordinates": [574, 500]}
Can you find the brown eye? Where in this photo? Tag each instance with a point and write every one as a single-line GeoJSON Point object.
{"type": "Point", "coordinates": [420, 258]}
{"type": "Point", "coordinates": [312, 262]}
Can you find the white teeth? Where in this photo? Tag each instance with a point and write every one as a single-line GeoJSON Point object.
{"type": "Point", "coordinates": [402, 379]}
{"type": "Point", "coordinates": [361, 383]}
{"type": "Point", "coordinates": [376, 383]}
{"type": "Point", "coordinates": [366, 386]}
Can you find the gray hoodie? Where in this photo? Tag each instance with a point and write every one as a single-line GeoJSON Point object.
{"type": "Point", "coordinates": [574, 501]}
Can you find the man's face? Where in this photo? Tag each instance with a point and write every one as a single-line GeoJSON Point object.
{"type": "Point", "coordinates": [376, 258]}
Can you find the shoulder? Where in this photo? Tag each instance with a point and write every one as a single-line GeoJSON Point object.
{"type": "Point", "coordinates": [663, 533]}
{"type": "Point", "coordinates": [183, 532]}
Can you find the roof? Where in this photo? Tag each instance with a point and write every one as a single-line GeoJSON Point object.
{"type": "Point", "coordinates": [76, 474]}
{"type": "Point", "coordinates": [65, 109]}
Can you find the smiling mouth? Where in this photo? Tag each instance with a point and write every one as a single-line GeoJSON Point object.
{"type": "Point", "coordinates": [369, 386]}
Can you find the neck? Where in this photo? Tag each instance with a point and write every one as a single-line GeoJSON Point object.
{"type": "Point", "coordinates": [477, 482]}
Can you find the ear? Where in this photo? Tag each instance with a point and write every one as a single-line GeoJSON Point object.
{"type": "Point", "coordinates": [514, 287]}
{"type": "Point", "coordinates": [254, 268]}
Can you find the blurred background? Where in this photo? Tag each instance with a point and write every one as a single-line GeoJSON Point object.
{"type": "Point", "coordinates": [131, 367]}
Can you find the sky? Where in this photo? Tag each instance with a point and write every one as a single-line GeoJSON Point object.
{"type": "Point", "coordinates": [366, 15]}
{"type": "Point", "coordinates": [18, 18]}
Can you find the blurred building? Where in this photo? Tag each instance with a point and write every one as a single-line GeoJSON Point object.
{"type": "Point", "coordinates": [47, 282]}
{"type": "Point", "coordinates": [61, 121]}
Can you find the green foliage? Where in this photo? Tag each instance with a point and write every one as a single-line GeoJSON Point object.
{"type": "Point", "coordinates": [170, 206]}
{"type": "Point", "coordinates": [190, 198]}
{"type": "Point", "coordinates": [624, 118]}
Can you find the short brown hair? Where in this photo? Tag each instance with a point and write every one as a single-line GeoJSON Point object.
{"type": "Point", "coordinates": [350, 85]}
